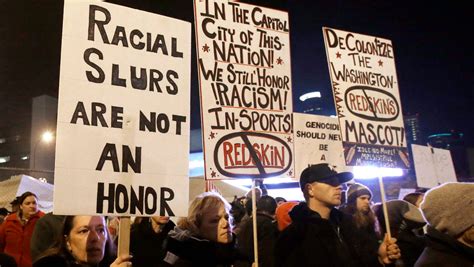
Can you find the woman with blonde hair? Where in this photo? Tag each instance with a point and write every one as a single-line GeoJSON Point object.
{"type": "Point", "coordinates": [204, 238]}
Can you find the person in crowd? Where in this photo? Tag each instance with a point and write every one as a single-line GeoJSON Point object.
{"type": "Point", "coordinates": [321, 235]}
{"type": "Point", "coordinates": [16, 231]}
{"type": "Point", "coordinates": [3, 213]}
{"type": "Point", "coordinates": [405, 220]}
{"type": "Point", "coordinates": [358, 206]}
{"type": "Point", "coordinates": [414, 198]}
{"type": "Point", "coordinates": [282, 215]}
{"type": "Point", "coordinates": [15, 204]}
{"type": "Point", "coordinates": [84, 242]}
{"type": "Point", "coordinates": [449, 211]}
{"type": "Point", "coordinates": [147, 240]}
{"type": "Point", "coordinates": [280, 200]}
{"type": "Point", "coordinates": [204, 238]}
{"type": "Point", "coordinates": [267, 234]}
{"type": "Point", "coordinates": [46, 233]}
{"type": "Point", "coordinates": [237, 212]}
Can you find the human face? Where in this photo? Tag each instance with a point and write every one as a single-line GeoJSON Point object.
{"type": "Point", "coordinates": [161, 219]}
{"type": "Point", "coordinates": [326, 194]}
{"type": "Point", "coordinates": [215, 226]}
{"type": "Point", "coordinates": [87, 239]}
{"type": "Point", "coordinates": [363, 203]}
{"type": "Point", "coordinates": [29, 207]}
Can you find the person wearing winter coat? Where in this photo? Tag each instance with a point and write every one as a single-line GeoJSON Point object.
{"type": "Point", "coordinates": [321, 235]}
{"type": "Point", "coordinates": [147, 240]}
{"type": "Point", "coordinates": [16, 231]}
{"type": "Point", "coordinates": [405, 222]}
{"type": "Point", "coordinates": [204, 238]}
{"type": "Point", "coordinates": [448, 209]}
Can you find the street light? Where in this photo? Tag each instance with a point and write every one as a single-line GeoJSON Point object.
{"type": "Point", "coordinates": [46, 137]}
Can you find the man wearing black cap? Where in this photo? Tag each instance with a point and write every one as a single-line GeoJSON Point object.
{"type": "Point", "coordinates": [319, 234]}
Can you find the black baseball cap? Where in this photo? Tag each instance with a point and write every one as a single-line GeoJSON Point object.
{"type": "Point", "coordinates": [323, 173]}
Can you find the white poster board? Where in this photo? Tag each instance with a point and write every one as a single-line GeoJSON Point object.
{"type": "Point", "coordinates": [122, 141]}
{"type": "Point", "coordinates": [317, 140]}
{"type": "Point", "coordinates": [244, 69]}
{"type": "Point", "coordinates": [365, 87]}
{"type": "Point", "coordinates": [433, 166]}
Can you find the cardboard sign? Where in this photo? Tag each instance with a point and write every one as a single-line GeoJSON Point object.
{"type": "Point", "coordinates": [317, 140]}
{"type": "Point", "coordinates": [365, 87]}
{"type": "Point", "coordinates": [245, 82]}
{"type": "Point", "coordinates": [433, 166]}
{"type": "Point", "coordinates": [122, 142]}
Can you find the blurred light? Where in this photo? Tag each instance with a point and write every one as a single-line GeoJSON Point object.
{"type": "Point", "coordinates": [196, 164]}
{"type": "Point", "coordinates": [24, 157]}
{"type": "Point", "coordinates": [309, 95]}
{"type": "Point", "coordinates": [290, 194]}
{"type": "Point", "coordinates": [368, 172]}
{"type": "Point", "coordinates": [4, 159]}
{"type": "Point", "coordinates": [3, 140]}
{"type": "Point", "coordinates": [43, 180]}
{"type": "Point", "coordinates": [47, 137]}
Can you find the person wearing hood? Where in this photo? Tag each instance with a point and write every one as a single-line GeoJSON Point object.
{"type": "Point", "coordinates": [405, 220]}
{"type": "Point", "coordinates": [204, 238]}
{"type": "Point", "coordinates": [321, 235]}
{"type": "Point", "coordinates": [449, 211]}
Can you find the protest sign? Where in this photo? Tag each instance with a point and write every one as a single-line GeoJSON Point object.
{"type": "Point", "coordinates": [245, 82]}
{"type": "Point", "coordinates": [317, 140]}
{"type": "Point", "coordinates": [365, 87]}
{"type": "Point", "coordinates": [433, 166]}
{"type": "Point", "coordinates": [122, 142]}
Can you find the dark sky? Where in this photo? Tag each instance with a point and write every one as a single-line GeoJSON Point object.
{"type": "Point", "coordinates": [432, 47]}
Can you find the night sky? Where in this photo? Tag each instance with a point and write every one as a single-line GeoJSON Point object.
{"type": "Point", "coordinates": [432, 51]}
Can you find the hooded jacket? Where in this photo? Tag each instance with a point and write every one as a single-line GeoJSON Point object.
{"type": "Point", "coordinates": [313, 241]}
{"type": "Point", "coordinates": [444, 251]}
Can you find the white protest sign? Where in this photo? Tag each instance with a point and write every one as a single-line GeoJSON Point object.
{"type": "Point", "coordinates": [433, 166]}
{"type": "Point", "coordinates": [365, 87]}
{"type": "Point", "coordinates": [317, 140]}
{"type": "Point", "coordinates": [245, 81]}
{"type": "Point", "coordinates": [122, 142]}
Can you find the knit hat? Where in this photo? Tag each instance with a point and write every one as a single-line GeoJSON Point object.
{"type": "Point", "coordinates": [281, 214]}
{"type": "Point", "coordinates": [356, 190]}
{"type": "Point", "coordinates": [449, 208]}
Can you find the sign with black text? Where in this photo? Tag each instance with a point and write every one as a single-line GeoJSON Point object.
{"type": "Point", "coordinates": [365, 88]}
{"type": "Point", "coordinates": [433, 166]}
{"type": "Point", "coordinates": [122, 142]}
{"type": "Point", "coordinates": [245, 81]}
{"type": "Point", "coordinates": [317, 140]}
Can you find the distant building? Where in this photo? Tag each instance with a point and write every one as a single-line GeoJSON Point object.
{"type": "Point", "coordinates": [21, 148]}
{"type": "Point", "coordinates": [413, 130]}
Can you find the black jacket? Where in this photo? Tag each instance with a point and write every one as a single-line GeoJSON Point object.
{"type": "Point", "coordinates": [147, 246]}
{"type": "Point", "coordinates": [445, 251]}
{"type": "Point", "coordinates": [267, 234]}
{"type": "Point", "coordinates": [313, 241]}
{"type": "Point", "coordinates": [185, 250]}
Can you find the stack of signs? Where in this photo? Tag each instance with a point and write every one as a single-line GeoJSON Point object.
{"type": "Point", "coordinates": [245, 83]}
{"type": "Point", "coordinates": [317, 140]}
{"type": "Point", "coordinates": [122, 142]}
{"type": "Point", "coordinates": [365, 87]}
{"type": "Point", "coordinates": [433, 166]}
